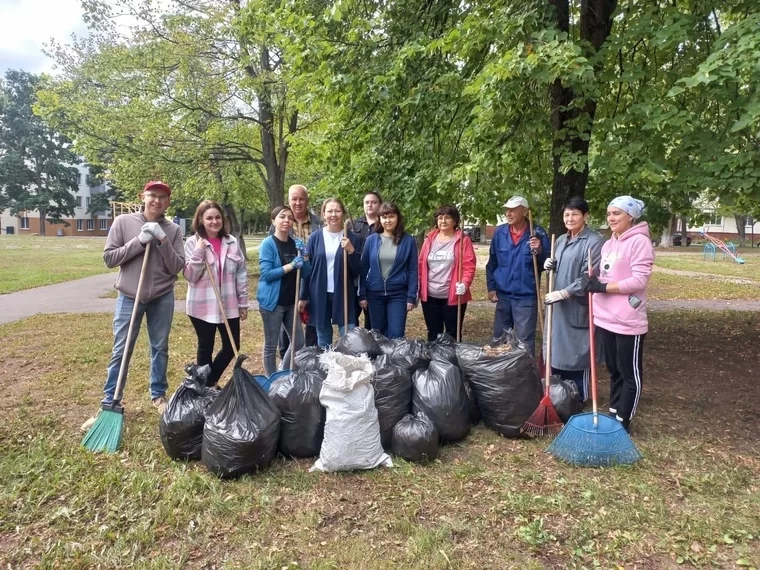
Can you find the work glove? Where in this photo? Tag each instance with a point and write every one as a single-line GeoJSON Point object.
{"type": "Point", "coordinates": [301, 247]}
{"type": "Point", "coordinates": [595, 286]}
{"type": "Point", "coordinates": [297, 262]}
{"type": "Point", "coordinates": [145, 236]}
{"type": "Point", "coordinates": [461, 288]}
{"type": "Point", "coordinates": [550, 264]}
{"type": "Point", "coordinates": [155, 229]}
{"type": "Point", "coordinates": [556, 296]}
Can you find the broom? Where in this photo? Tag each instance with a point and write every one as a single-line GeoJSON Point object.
{"type": "Point", "coordinates": [105, 433]}
{"type": "Point", "coordinates": [545, 420]}
{"type": "Point", "coordinates": [542, 363]}
{"type": "Point", "coordinates": [345, 283]}
{"type": "Point", "coordinates": [590, 439]}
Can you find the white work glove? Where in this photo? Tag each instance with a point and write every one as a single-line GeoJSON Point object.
{"type": "Point", "coordinates": [461, 288]}
{"type": "Point", "coordinates": [556, 296]}
{"type": "Point", "coordinates": [550, 264]}
{"type": "Point", "coordinates": [155, 229]}
{"type": "Point", "coordinates": [145, 236]}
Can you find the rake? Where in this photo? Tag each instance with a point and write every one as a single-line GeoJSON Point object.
{"type": "Point", "coordinates": [105, 434]}
{"type": "Point", "coordinates": [545, 420]}
{"type": "Point", "coordinates": [591, 439]}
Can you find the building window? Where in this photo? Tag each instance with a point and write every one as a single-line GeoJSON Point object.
{"type": "Point", "coordinates": [79, 201]}
{"type": "Point", "coordinates": [714, 219]}
{"type": "Point", "coordinates": [87, 202]}
{"type": "Point", "coordinates": [104, 224]}
{"type": "Point", "coordinates": [24, 223]}
{"type": "Point", "coordinates": [90, 225]}
{"type": "Point", "coordinates": [80, 225]}
{"type": "Point", "coordinates": [748, 222]}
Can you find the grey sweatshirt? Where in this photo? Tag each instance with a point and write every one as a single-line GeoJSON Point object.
{"type": "Point", "coordinates": [124, 250]}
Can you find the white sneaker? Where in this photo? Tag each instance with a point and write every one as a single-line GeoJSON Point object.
{"type": "Point", "coordinates": [160, 404]}
{"type": "Point", "coordinates": [89, 423]}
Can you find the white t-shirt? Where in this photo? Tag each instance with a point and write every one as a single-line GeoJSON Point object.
{"type": "Point", "coordinates": [332, 243]}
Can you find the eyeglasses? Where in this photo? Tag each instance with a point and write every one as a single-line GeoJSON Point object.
{"type": "Point", "coordinates": [159, 197]}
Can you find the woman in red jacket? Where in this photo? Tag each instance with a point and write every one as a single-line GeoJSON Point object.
{"type": "Point", "coordinates": [443, 252]}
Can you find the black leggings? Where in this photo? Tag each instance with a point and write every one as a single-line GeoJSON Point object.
{"type": "Point", "coordinates": [206, 333]}
{"type": "Point", "coordinates": [439, 315]}
{"type": "Point", "coordinates": [624, 358]}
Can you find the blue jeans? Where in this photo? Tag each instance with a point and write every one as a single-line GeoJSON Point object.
{"type": "Point", "coordinates": [325, 331]}
{"type": "Point", "coordinates": [519, 315]}
{"type": "Point", "coordinates": [280, 319]}
{"type": "Point", "coordinates": [388, 312]}
{"type": "Point", "coordinates": [159, 314]}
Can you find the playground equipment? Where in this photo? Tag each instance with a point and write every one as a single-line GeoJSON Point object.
{"type": "Point", "coordinates": [120, 208]}
{"type": "Point", "coordinates": [714, 243]}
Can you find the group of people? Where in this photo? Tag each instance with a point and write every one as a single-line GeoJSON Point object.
{"type": "Point", "coordinates": [320, 271]}
{"type": "Point", "coordinates": [335, 272]}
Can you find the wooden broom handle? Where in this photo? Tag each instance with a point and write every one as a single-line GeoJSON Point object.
{"type": "Point", "coordinates": [124, 356]}
{"type": "Point", "coordinates": [535, 277]}
{"type": "Point", "coordinates": [549, 315]}
{"type": "Point", "coordinates": [591, 338]}
{"type": "Point", "coordinates": [295, 304]}
{"type": "Point", "coordinates": [221, 305]}
{"type": "Point", "coordinates": [459, 280]}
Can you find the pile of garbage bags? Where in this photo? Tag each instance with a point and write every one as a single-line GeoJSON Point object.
{"type": "Point", "coordinates": [353, 405]}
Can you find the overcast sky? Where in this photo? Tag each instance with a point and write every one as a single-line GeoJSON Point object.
{"type": "Point", "coordinates": [26, 24]}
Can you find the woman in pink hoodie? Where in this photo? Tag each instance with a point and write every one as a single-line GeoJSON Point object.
{"type": "Point", "coordinates": [620, 312]}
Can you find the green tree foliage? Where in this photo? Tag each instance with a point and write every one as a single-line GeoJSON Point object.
{"type": "Point", "coordinates": [184, 95]}
{"type": "Point", "coordinates": [36, 163]}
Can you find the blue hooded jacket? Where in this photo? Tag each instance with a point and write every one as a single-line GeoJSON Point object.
{"type": "Point", "coordinates": [403, 274]}
{"type": "Point", "coordinates": [509, 270]}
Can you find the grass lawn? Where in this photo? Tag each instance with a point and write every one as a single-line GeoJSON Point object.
{"type": "Point", "coordinates": [488, 502]}
{"type": "Point", "coordinates": [30, 261]}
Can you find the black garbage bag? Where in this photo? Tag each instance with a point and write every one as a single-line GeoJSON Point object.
{"type": "Point", "coordinates": [308, 359]}
{"type": "Point", "coordinates": [356, 342]}
{"type": "Point", "coordinates": [415, 438]}
{"type": "Point", "coordinates": [505, 381]}
{"type": "Point", "coordinates": [565, 397]}
{"type": "Point", "coordinates": [380, 338]}
{"type": "Point", "coordinates": [181, 424]}
{"type": "Point", "coordinates": [475, 415]}
{"type": "Point", "coordinates": [444, 347]}
{"type": "Point", "coordinates": [393, 396]}
{"type": "Point", "coordinates": [302, 417]}
{"type": "Point", "coordinates": [439, 393]}
{"type": "Point", "coordinates": [412, 354]}
{"type": "Point", "coordinates": [242, 427]}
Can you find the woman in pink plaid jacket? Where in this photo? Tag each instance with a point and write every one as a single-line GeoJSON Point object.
{"type": "Point", "coordinates": [227, 263]}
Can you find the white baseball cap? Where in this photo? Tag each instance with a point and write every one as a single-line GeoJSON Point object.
{"type": "Point", "coordinates": [515, 201]}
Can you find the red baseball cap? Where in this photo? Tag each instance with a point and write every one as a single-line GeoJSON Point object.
{"type": "Point", "coordinates": [159, 185]}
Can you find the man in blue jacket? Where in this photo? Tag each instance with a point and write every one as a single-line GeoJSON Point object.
{"type": "Point", "coordinates": [509, 272]}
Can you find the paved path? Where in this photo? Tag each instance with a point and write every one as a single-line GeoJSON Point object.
{"type": "Point", "coordinates": [83, 296]}
{"type": "Point", "coordinates": [78, 296]}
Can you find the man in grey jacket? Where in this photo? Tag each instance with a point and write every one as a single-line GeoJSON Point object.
{"type": "Point", "coordinates": [125, 248]}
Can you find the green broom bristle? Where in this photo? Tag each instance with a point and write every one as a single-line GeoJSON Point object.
{"type": "Point", "coordinates": [105, 433]}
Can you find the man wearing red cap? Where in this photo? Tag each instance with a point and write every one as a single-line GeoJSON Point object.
{"type": "Point", "coordinates": [125, 249]}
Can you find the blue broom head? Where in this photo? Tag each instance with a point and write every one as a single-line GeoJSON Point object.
{"type": "Point", "coordinates": [584, 443]}
{"type": "Point", "coordinates": [266, 381]}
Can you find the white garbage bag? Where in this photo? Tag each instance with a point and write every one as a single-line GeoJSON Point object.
{"type": "Point", "coordinates": [352, 431]}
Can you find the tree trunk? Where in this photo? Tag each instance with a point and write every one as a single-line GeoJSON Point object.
{"type": "Point", "coordinates": [275, 176]}
{"type": "Point", "coordinates": [740, 228]}
{"type": "Point", "coordinates": [684, 231]}
{"type": "Point", "coordinates": [595, 27]}
{"type": "Point", "coordinates": [43, 216]}
{"type": "Point", "coordinates": [666, 238]}
{"type": "Point", "coordinates": [229, 213]}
